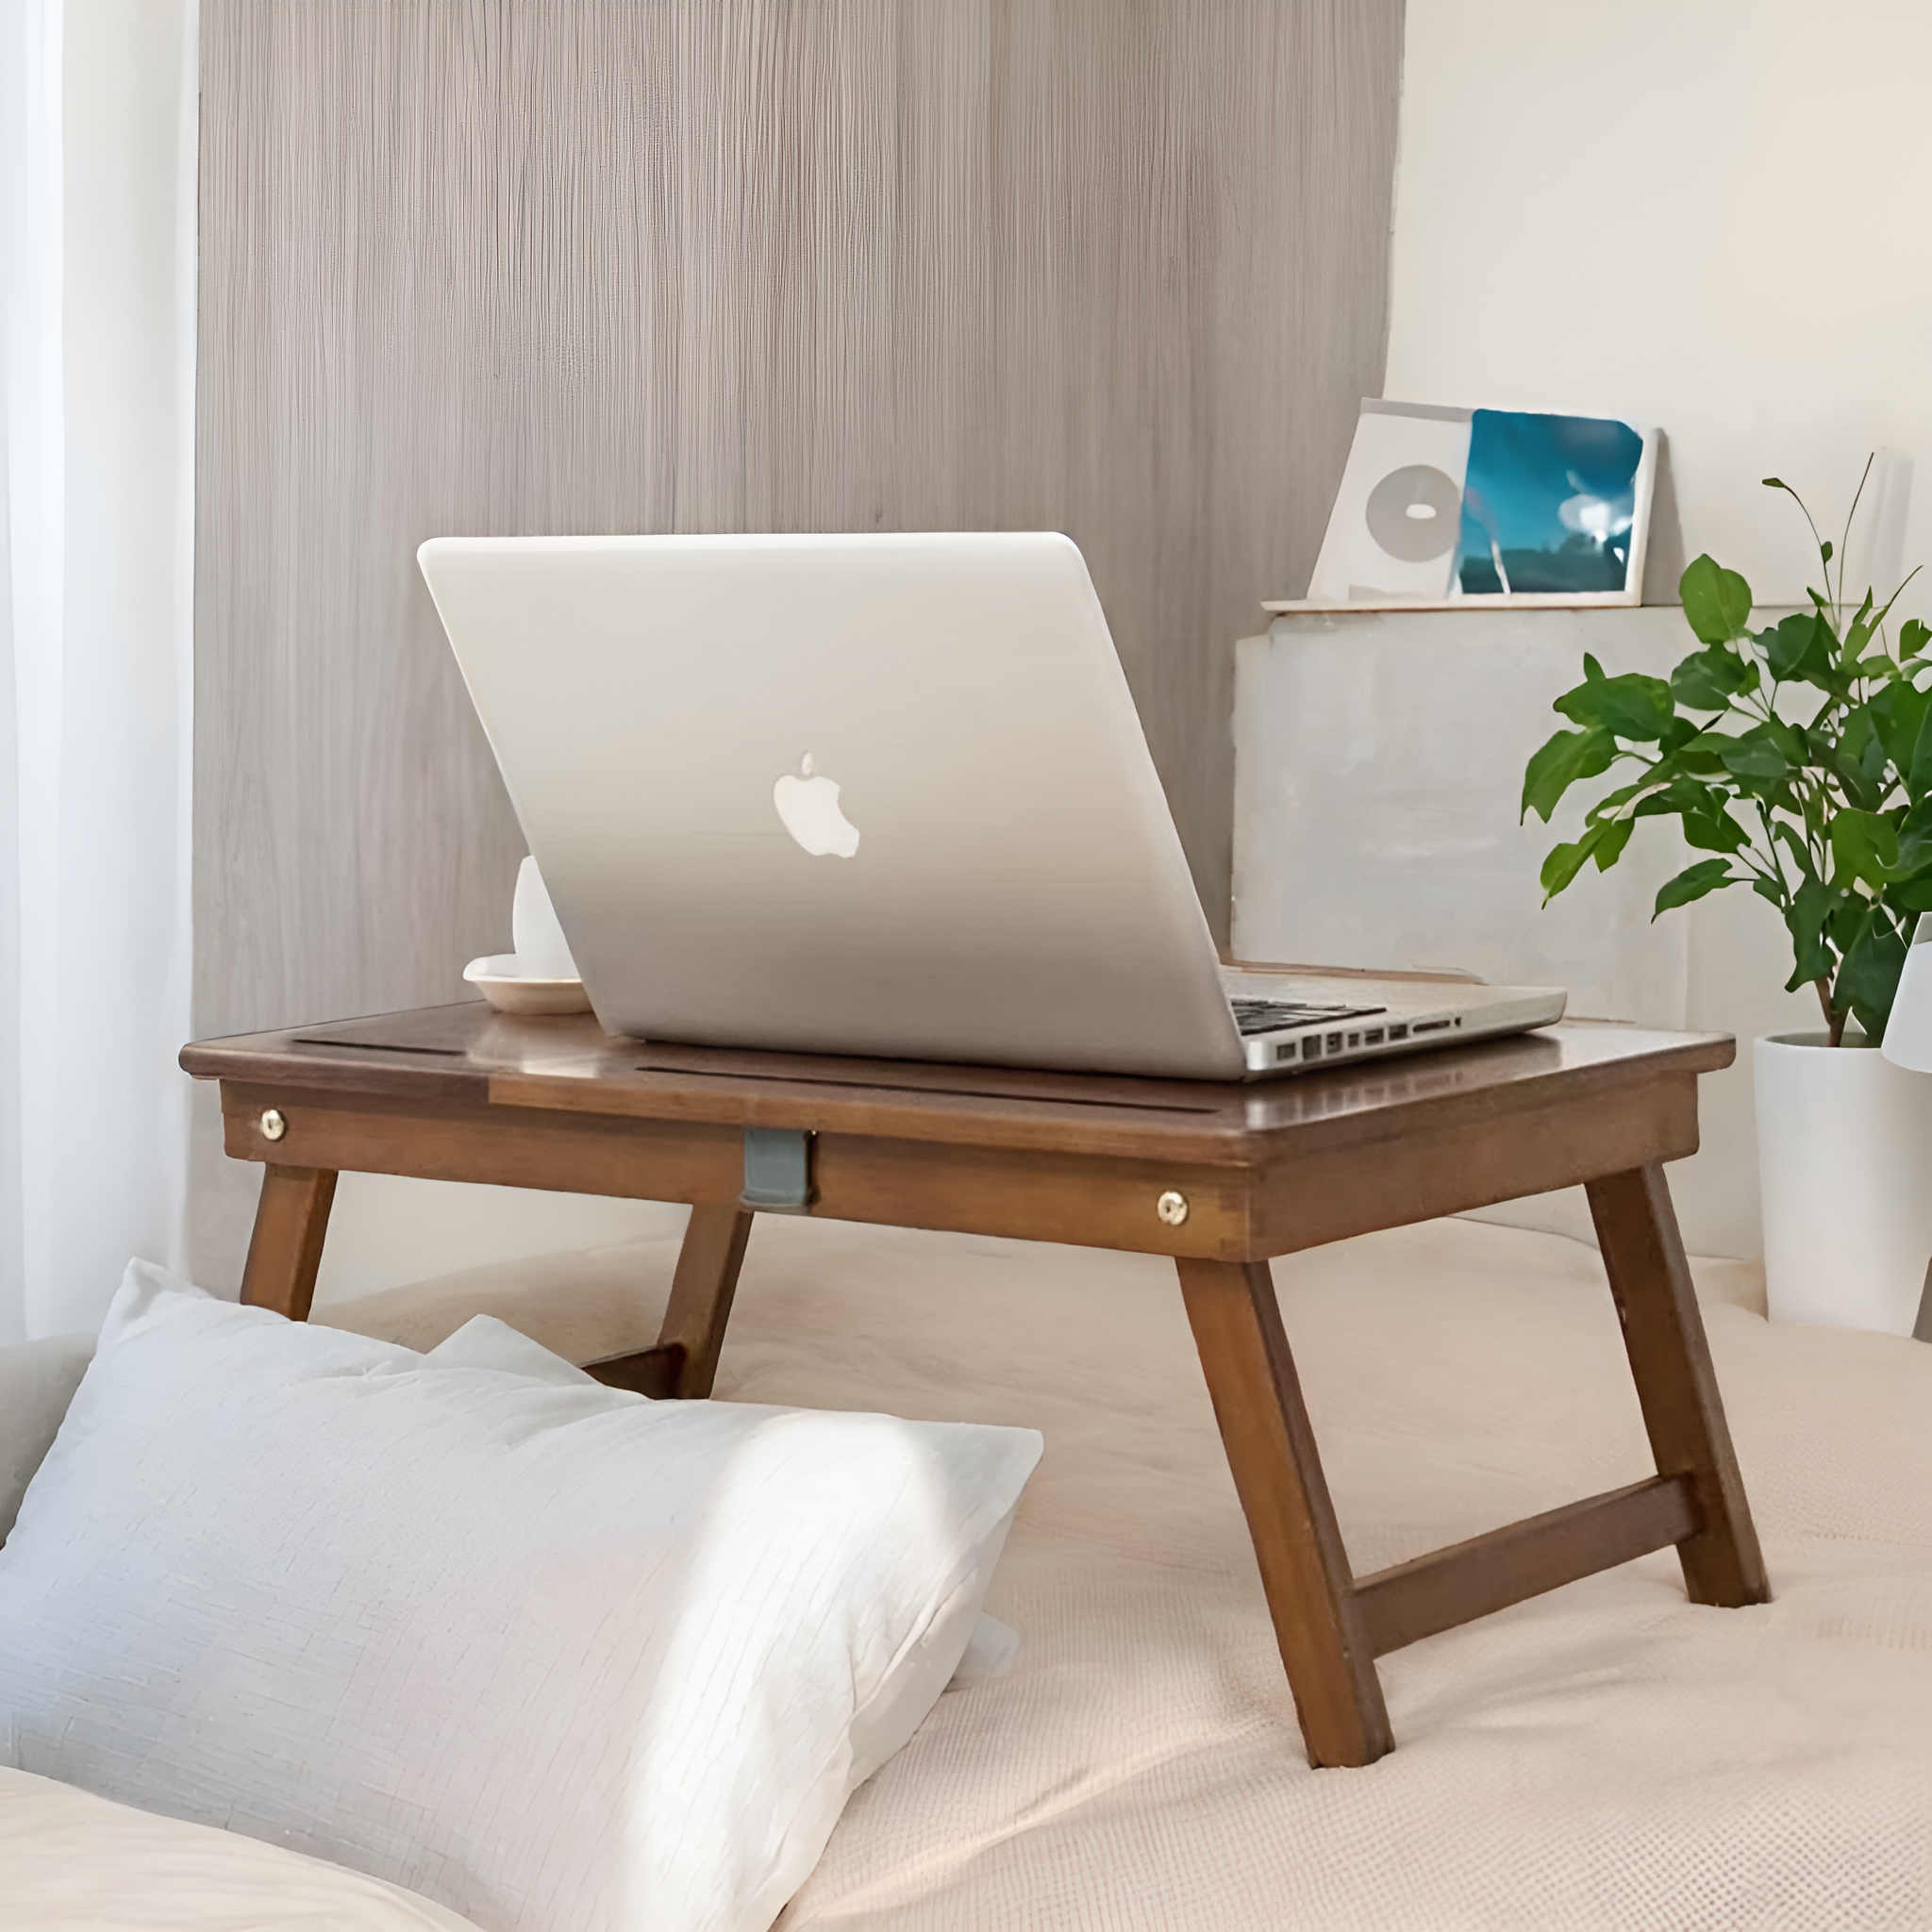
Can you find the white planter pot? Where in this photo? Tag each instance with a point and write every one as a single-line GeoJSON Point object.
{"type": "Point", "coordinates": [1844, 1162]}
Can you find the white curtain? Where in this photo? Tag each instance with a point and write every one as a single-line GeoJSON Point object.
{"type": "Point", "coordinates": [97, 151]}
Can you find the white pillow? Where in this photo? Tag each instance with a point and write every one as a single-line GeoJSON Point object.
{"type": "Point", "coordinates": [484, 1342]}
{"type": "Point", "coordinates": [553, 1656]}
{"type": "Point", "coordinates": [962, 1645]}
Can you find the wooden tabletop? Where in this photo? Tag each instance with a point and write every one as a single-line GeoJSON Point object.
{"type": "Point", "coordinates": [465, 1054]}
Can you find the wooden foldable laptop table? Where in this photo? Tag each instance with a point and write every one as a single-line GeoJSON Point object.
{"type": "Point", "coordinates": [1219, 1176]}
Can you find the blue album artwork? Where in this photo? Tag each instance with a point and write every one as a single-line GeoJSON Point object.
{"type": "Point", "coordinates": [1549, 504]}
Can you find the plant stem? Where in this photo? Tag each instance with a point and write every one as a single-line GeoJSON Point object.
{"type": "Point", "coordinates": [1835, 1017]}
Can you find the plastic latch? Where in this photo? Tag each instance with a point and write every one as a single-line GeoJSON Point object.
{"type": "Point", "coordinates": [777, 1170]}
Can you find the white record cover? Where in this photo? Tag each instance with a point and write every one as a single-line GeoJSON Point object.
{"type": "Point", "coordinates": [1392, 533]}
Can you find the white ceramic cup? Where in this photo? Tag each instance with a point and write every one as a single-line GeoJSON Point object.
{"type": "Point", "coordinates": [541, 950]}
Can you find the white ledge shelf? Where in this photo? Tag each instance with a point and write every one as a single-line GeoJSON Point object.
{"type": "Point", "coordinates": [1528, 599]}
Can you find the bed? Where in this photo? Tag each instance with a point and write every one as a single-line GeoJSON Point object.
{"type": "Point", "coordinates": [1606, 1756]}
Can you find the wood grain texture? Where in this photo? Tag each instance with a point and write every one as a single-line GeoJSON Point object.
{"type": "Point", "coordinates": [701, 1294]}
{"type": "Point", "coordinates": [1670, 1362]}
{"type": "Point", "coordinates": [456, 1092]}
{"type": "Point", "coordinates": [1523, 1559]}
{"type": "Point", "coordinates": [644, 1161]}
{"type": "Point", "coordinates": [469, 266]}
{"type": "Point", "coordinates": [653, 1372]}
{"type": "Point", "coordinates": [1323, 1637]}
{"type": "Point", "coordinates": [562, 1067]}
{"type": "Point", "coordinates": [284, 1251]}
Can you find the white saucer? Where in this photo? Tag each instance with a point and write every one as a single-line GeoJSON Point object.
{"type": "Point", "coordinates": [509, 991]}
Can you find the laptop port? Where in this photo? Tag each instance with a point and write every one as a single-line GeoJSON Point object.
{"type": "Point", "coordinates": [1373, 1037]}
{"type": "Point", "coordinates": [1432, 1026]}
{"type": "Point", "coordinates": [1398, 1033]}
{"type": "Point", "coordinates": [1311, 1047]}
{"type": "Point", "coordinates": [1286, 1051]}
{"type": "Point", "coordinates": [1355, 1040]}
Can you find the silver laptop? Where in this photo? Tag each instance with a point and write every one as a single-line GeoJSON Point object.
{"type": "Point", "coordinates": [874, 794]}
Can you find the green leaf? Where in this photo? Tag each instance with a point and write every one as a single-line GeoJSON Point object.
{"type": "Point", "coordinates": [1707, 823]}
{"type": "Point", "coordinates": [1850, 913]}
{"type": "Point", "coordinates": [1707, 680]}
{"type": "Point", "coordinates": [1865, 846]}
{"type": "Point", "coordinates": [1632, 705]}
{"type": "Point", "coordinates": [1704, 754]}
{"type": "Point", "coordinates": [1785, 833]}
{"type": "Point", "coordinates": [1898, 715]}
{"type": "Point", "coordinates": [1717, 602]}
{"type": "Point", "coordinates": [1874, 762]}
{"type": "Point", "coordinates": [1606, 807]}
{"type": "Point", "coordinates": [1860, 634]}
{"type": "Point", "coordinates": [1679, 796]}
{"type": "Point", "coordinates": [1919, 774]}
{"type": "Point", "coordinates": [1562, 865]}
{"type": "Point", "coordinates": [1913, 636]}
{"type": "Point", "coordinates": [1860, 785]}
{"type": "Point", "coordinates": [1568, 757]}
{"type": "Point", "coordinates": [1800, 648]}
{"type": "Point", "coordinates": [1805, 919]}
{"type": "Point", "coordinates": [1715, 831]}
{"type": "Point", "coordinates": [1858, 758]}
{"type": "Point", "coordinates": [1764, 752]}
{"type": "Point", "coordinates": [1858, 734]}
{"type": "Point", "coordinates": [1610, 846]}
{"type": "Point", "coordinates": [1694, 882]}
{"type": "Point", "coordinates": [1867, 980]}
{"type": "Point", "coordinates": [1604, 841]}
{"type": "Point", "coordinates": [1914, 841]}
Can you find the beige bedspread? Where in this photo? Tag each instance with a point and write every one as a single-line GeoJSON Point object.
{"type": "Point", "coordinates": [71, 1862]}
{"type": "Point", "coordinates": [1608, 1755]}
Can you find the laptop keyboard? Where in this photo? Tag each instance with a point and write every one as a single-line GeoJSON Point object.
{"type": "Point", "coordinates": [1267, 1016]}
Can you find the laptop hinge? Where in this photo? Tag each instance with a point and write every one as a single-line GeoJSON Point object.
{"type": "Point", "coordinates": [778, 1171]}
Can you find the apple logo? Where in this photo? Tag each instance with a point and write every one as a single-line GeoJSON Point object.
{"type": "Point", "coordinates": [810, 809]}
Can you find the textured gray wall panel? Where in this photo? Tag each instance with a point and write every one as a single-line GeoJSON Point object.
{"type": "Point", "coordinates": [1116, 267]}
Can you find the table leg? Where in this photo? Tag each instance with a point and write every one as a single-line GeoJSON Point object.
{"type": "Point", "coordinates": [702, 1292]}
{"type": "Point", "coordinates": [1670, 1361]}
{"type": "Point", "coordinates": [685, 1362]}
{"type": "Point", "coordinates": [1277, 1473]}
{"type": "Point", "coordinates": [285, 1249]}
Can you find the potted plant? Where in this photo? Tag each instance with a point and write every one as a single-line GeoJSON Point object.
{"type": "Point", "coordinates": [1799, 758]}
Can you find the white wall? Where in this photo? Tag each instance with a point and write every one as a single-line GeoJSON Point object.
{"type": "Point", "coordinates": [1708, 213]}
{"type": "Point", "coordinates": [1712, 216]}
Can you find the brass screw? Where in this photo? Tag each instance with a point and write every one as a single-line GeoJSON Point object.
{"type": "Point", "coordinates": [274, 1124]}
{"type": "Point", "coordinates": [1171, 1208]}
